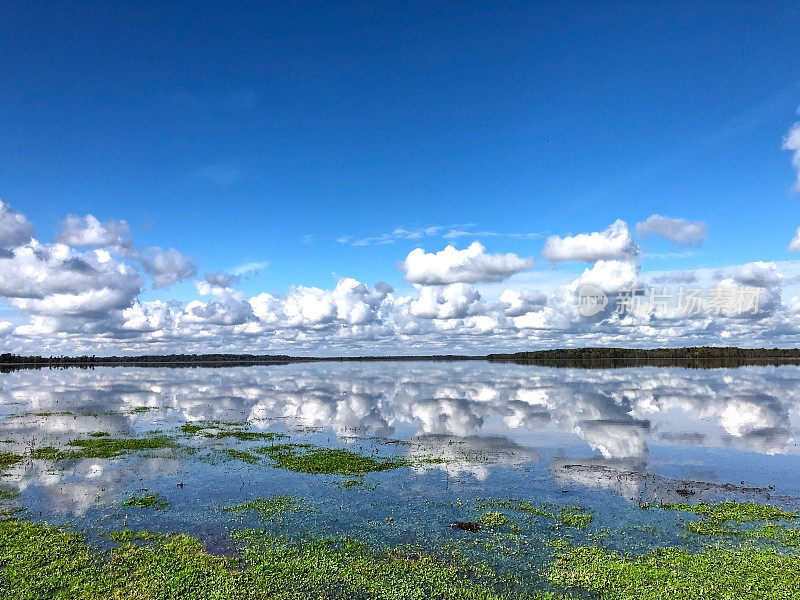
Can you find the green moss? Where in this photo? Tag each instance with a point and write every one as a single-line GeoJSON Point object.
{"type": "Point", "coordinates": [741, 574]}
{"type": "Point", "coordinates": [492, 519]}
{"type": "Point", "coordinates": [9, 459]}
{"type": "Point", "coordinates": [269, 509]}
{"type": "Point", "coordinates": [311, 459]}
{"type": "Point", "coordinates": [147, 501]}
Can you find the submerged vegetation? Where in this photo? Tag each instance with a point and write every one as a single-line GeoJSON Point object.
{"type": "Point", "coordinates": [147, 501]}
{"type": "Point", "coordinates": [269, 509]}
{"type": "Point", "coordinates": [570, 516]}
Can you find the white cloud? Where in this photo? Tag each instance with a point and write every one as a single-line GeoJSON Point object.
{"type": "Point", "coordinates": [15, 229]}
{"type": "Point", "coordinates": [88, 231]}
{"type": "Point", "coordinates": [794, 245]}
{"type": "Point", "coordinates": [792, 142]}
{"type": "Point", "coordinates": [166, 266]}
{"type": "Point", "coordinates": [470, 265]}
{"type": "Point", "coordinates": [612, 244]}
{"type": "Point", "coordinates": [677, 231]}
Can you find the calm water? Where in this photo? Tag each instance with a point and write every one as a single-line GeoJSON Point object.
{"type": "Point", "coordinates": [603, 439]}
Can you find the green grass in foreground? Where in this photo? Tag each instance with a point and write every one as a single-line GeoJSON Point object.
{"type": "Point", "coordinates": [672, 573]}
{"type": "Point", "coordinates": [39, 561]}
{"type": "Point", "coordinates": [304, 458]}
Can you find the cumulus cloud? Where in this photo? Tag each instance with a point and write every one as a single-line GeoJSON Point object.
{"type": "Point", "coordinates": [470, 265]}
{"type": "Point", "coordinates": [794, 245]}
{"type": "Point", "coordinates": [89, 231]}
{"type": "Point", "coordinates": [677, 231]}
{"type": "Point", "coordinates": [166, 266]}
{"type": "Point", "coordinates": [791, 142]}
{"type": "Point", "coordinates": [614, 243]}
{"type": "Point", "coordinates": [15, 229]}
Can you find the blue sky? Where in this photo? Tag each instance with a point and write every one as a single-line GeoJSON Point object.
{"type": "Point", "coordinates": [284, 135]}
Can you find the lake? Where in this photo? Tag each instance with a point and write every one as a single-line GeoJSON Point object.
{"type": "Point", "coordinates": [461, 438]}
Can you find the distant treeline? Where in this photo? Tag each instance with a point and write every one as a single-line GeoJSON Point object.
{"type": "Point", "coordinates": [703, 356]}
{"type": "Point", "coordinates": [16, 361]}
{"type": "Point", "coordinates": [698, 357]}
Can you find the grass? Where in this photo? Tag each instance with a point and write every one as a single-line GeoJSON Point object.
{"type": "Point", "coordinates": [570, 516]}
{"type": "Point", "coordinates": [741, 574]}
{"type": "Point", "coordinates": [147, 501]}
{"type": "Point", "coordinates": [40, 561]}
{"type": "Point", "coordinates": [303, 458]}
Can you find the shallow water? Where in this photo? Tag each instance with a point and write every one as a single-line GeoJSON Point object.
{"type": "Point", "coordinates": [607, 440]}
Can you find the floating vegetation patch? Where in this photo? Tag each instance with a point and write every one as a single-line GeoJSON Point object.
{"type": "Point", "coordinates": [571, 516]}
{"type": "Point", "coordinates": [9, 459]}
{"type": "Point", "coordinates": [102, 447]}
{"type": "Point", "coordinates": [726, 519]}
{"type": "Point", "coordinates": [492, 519]}
{"type": "Point", "coordinates": [218, 430]}
{"type": "Point", "coordinates": [305, 458]}
{"type": "Point", "coordinates": [155, 501]}
{"type": "Point", "coordinates": [269, 509]}
{"type": "Point", "coordinates": [234, 454]}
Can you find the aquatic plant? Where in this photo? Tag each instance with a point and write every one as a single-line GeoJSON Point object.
{"type": "Point", "coordinates": [147, 501]}
{"type": "Point", "coordinates": [304, 458]}
{"type": "Point", "coordinates": [270, 508]}
{"type": "Point", "coordinates": [9, 459]}
{"type": "Point", "coordinates": [571, 516]}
